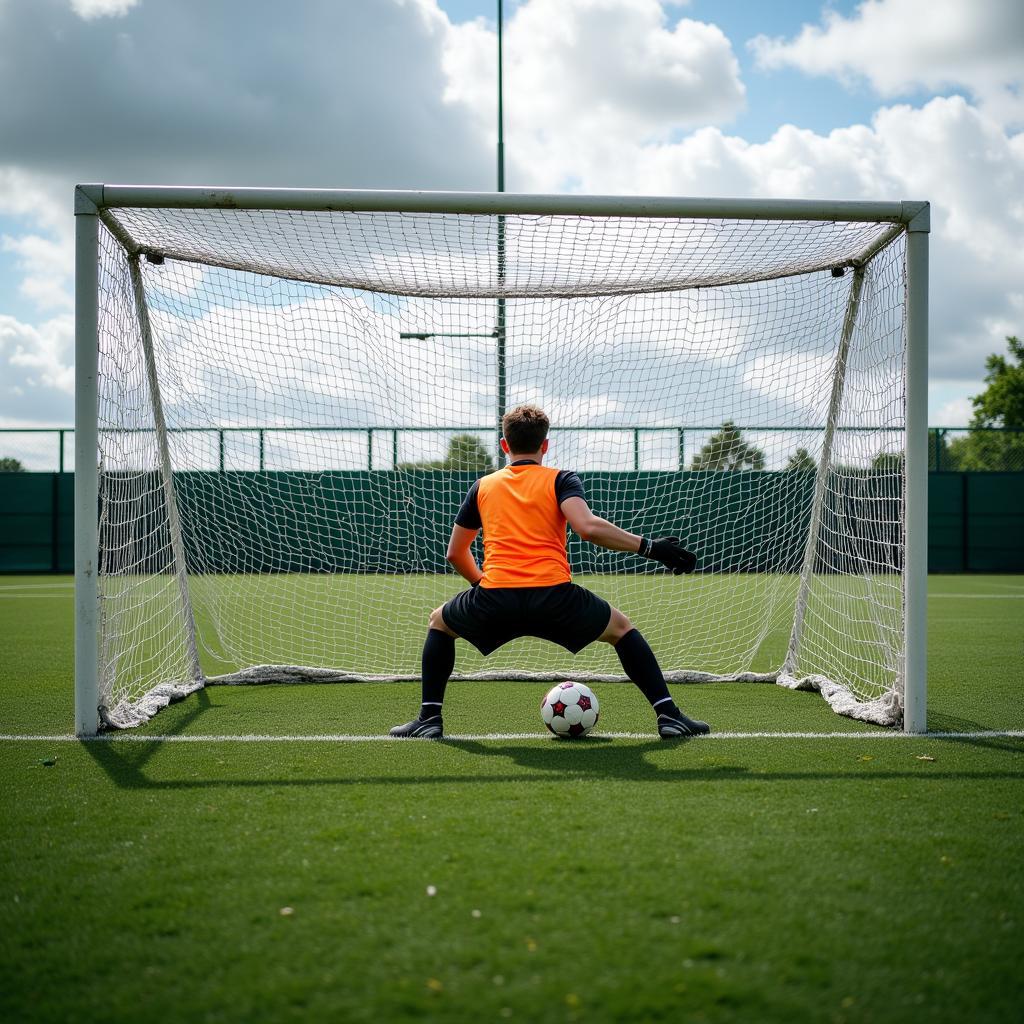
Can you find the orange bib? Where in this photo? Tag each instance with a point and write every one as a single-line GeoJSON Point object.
{"type": "Point", "coordinates": [524, 529]}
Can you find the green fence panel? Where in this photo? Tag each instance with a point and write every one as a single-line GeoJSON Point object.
{"type": "Point", "coordinates": [36, 522]}
{"type": "Point", "coordinates": [387, 521]}
{"type": "Point", "coordinates": [946, 537]}
{"type": "Point", "coordinates": [995, 511]}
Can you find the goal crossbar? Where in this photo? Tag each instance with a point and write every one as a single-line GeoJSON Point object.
{"type": "Point", "coordinates": [94, 197]}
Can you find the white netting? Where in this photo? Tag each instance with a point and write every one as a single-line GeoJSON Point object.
{"type": "Point", "coordinates": [324, 424]}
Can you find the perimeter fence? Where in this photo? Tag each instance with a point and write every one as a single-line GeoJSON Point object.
{"type": "Point", "coordinates": [466, 448]}
{"type": "Point", "coordinates": [976, 483]}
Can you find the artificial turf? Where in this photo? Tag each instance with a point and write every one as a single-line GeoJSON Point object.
{"type": "Point", "coordinates": [863, 877]}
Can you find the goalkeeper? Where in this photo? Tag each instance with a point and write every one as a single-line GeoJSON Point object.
{"type": "Point", "coordinates": [525, 587]}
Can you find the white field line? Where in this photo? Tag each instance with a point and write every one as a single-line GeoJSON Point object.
{"type": "Point", "coordinates": [353, 738]}
{"type": "Point", "coordinates": [998, 597]}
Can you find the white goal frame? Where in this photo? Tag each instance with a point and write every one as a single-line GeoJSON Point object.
{"type": "Point", "coordinates": [91, 200]}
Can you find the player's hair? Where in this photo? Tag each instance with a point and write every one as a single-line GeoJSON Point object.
{"type": "Point", "coordinates": [525, 427]}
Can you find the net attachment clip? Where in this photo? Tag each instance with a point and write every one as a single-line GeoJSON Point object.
{"type": "Point", "coordinates": [154, 257]}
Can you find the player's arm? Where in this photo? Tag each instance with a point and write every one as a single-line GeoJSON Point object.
{"type": "Point", "coordinates": [593, 528]}
{"type": "Point", "coordinates": [598, 531]}
{"type": "Point", "coordinates": [460, 555]}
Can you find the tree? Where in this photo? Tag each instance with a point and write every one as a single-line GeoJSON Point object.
{"type": "Point", "coordinates": [940, 455]}
{"type": "Point", "coordinates": [466, 454]}
{"type": "Point", "coordinates": [888, 462]}
{"type": "Point", "coordinates": [1000, 405]}
{"type": "Point", "coordinates": [727, 450]}
{"type": "Point", "coordinates": [986, 450]}
{"type": "Point", "coordinates": [10, 465]}
{"type": "Point", "coordinates": [801, 462]}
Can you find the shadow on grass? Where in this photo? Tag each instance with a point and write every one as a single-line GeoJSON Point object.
{"type": "Point", "coordinates": [595, 759]}
{"type": "Point", "coordinates": [940, 722]}
{"type": "Point", "coordinates": [172, 728]}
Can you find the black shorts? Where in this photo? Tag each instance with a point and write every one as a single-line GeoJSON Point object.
{"type": "Point", "coordinates": [565, 614]}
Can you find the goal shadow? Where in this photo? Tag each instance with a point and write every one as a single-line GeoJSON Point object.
{"type": "Point", "coordinates": [597, 759]}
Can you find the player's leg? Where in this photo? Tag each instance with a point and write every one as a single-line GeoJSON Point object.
{"type": "Point", "coordinates": [437, 664]}
{"type": "Point", "coordinates": [640, 664]}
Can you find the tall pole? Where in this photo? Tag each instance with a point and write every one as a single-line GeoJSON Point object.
{"type": "Point", "coordinates": [499, 328]}
{"type": "Point", "coordinates": [501, 111]}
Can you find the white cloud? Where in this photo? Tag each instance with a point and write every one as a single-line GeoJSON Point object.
{"type": "Point", "coordinates": [44, 355]}
{"type": "Point", "coordinates": [89, 9]}
{"type": "Point", "coordinates": [318, 94]}
{"type": "Point", "coordinates": [948, 151]}
{"type": "Point", "coordinates": [28, 194]}
{"type": "Point", "coordinates": [900, 46]}
{"type": "Point", "coordinates": [581, 71]}
{"type": "Point", "coordinates": [48, 267]}
{"type": "Point", "coordinates": [955, 413]}
{"type": "Point", "coordinates": [811, 373]}
{"type": "Point", "coordinates": [181, 282]}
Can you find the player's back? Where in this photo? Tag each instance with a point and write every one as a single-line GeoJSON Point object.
{"type": "Point", "coordinates": [523, 526]}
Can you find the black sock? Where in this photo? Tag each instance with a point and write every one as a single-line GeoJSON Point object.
{"type": "Point", "coordinates": [437, 665]}
{"type": "Point", "coordinates": [642, 667]}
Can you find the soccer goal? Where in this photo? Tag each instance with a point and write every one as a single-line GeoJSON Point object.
{"type": "Point", "coordinates": [283, 395]}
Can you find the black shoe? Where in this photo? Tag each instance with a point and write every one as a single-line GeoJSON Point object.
{"type": "Point", "coordinates": [420, 728]}
{"type": "Point", "coordinates": [671, 727]}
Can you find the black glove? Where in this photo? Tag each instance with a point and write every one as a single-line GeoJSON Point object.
{"type": "Point", "coordinates": [670, 552]}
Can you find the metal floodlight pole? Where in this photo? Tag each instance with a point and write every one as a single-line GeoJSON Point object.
{"type": "Point", "coordinates": [500, 324]}
{"type": "Point", "coordinates": [501, 101]}
{"type": "Point", "coordinates": [915, 570]}
{"type": "Point", "coordinates": [86, 466]}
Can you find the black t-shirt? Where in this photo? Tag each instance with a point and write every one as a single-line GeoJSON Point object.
{"type": "Point", "coordinates": [567, 485]}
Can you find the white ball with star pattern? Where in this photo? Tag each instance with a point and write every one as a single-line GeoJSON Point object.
{"type": "Point", "coordinates": [570, 709]}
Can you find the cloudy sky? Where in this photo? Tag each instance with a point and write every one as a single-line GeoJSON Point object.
{"type": "Point", "coordinates": [881, 99]}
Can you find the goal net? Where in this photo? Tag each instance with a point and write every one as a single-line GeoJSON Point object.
{"type": "Point", "coordinates": [293, 403]}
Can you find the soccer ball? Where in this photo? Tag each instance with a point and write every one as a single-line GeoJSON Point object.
{"type": "Point", "coordinates": [569, 709]}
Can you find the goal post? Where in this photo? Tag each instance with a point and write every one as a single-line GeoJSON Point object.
{"type": "Point", "coordinates": [86, 469]}
{"type": "Point", "coordinates": [370, 339]}
{"type": "Point", "coordinates": [915, 686]}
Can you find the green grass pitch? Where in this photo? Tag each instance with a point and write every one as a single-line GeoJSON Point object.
{"type": "Point", "coordinates": [857, 877]}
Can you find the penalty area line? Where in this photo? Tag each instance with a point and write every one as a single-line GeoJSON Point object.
{"type": "Point", "coordinates": [125, 737]}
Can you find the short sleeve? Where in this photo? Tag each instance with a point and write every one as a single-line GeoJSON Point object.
{"type": "Point", "coordinates": [568, 485]}
{"type": "Point", "coordinates": [468, 516]}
